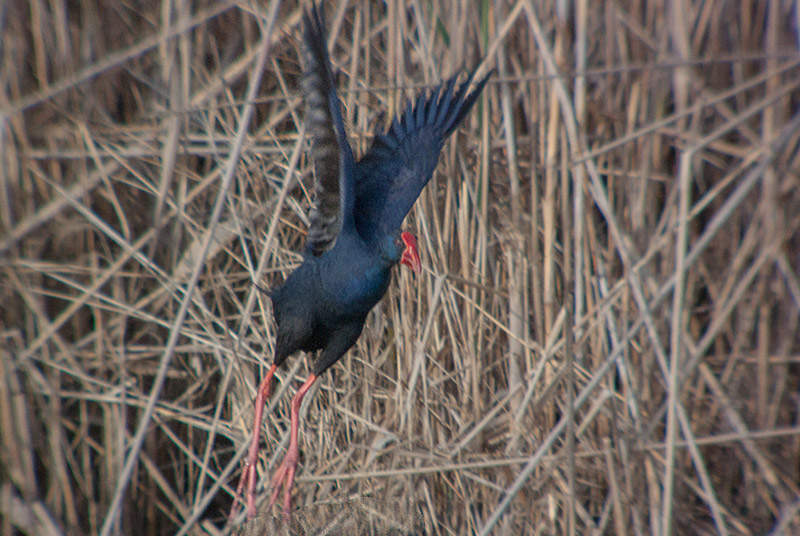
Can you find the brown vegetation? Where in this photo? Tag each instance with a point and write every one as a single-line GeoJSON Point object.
{"type": "Point", "coordinates": [604, 339]}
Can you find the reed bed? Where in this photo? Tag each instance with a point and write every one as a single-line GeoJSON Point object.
{"type": "Point", "coordinates": [604, 339]}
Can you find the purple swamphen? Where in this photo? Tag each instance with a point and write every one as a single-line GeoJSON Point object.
{"type": "Point", "coordinates": [354, 239]}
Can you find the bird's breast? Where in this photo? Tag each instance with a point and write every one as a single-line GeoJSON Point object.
{"type": "Point", "coordinates": [355, 289]}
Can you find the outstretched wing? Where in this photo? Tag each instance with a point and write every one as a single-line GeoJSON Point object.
{"type": "Point", "coordinates": [400, 162]}
{"type": "Point", "coordinates": [330, 152]}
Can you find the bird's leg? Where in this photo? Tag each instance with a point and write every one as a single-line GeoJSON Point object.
{"type": "Point", "coordinates": [284, 476]}
{"type": "Point", "coordinates": [249, 472]}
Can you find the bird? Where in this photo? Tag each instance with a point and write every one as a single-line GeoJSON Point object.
{"type": "Point", "coordinates": [354, 237]}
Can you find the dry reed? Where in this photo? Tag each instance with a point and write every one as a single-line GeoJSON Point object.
{"type": "Point", "coordinates": [605, 339]}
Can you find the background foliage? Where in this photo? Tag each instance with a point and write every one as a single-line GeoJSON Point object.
{"type": "Point", "coordinates": [605, 335]}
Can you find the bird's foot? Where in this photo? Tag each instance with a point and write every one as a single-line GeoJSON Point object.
{"type": "Point", "coordinates": [248, 479]}
{"type": "Point", "coordinates": [284, 478]}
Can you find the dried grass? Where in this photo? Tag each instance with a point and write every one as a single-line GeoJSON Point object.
{"type": "Point", "coordinates": [605, 339]}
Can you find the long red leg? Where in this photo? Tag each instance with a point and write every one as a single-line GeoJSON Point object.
{"type": "Point", "coordinates": [249, 472]}
{"type": "Point", "coordinates": [284, 476]}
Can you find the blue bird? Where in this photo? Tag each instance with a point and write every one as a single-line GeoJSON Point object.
{"type": "Point", "coordinates": [354, 238]}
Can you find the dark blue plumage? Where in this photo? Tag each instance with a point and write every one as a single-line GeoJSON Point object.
{"type": "Point", "coordinates": [354, 239]}
{"type": "Point", "coordinates": [400, 162]}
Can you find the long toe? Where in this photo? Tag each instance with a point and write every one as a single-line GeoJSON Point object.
{"type": "Point", "coordinates": [287, 492]}
{"type": "Point", "coordinates": [277, 483]}
{"type": "Point", "coordinates": [284, 478]}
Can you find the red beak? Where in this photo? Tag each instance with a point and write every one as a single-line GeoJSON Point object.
{"type": "Point", "coordinates": [411, 255]}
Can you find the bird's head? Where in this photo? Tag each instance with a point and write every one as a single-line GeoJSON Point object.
{"type": "Point", "coordinates": [402, 248]}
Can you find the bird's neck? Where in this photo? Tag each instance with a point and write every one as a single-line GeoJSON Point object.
{"type": "Point", "coordinates": [357, 273]}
